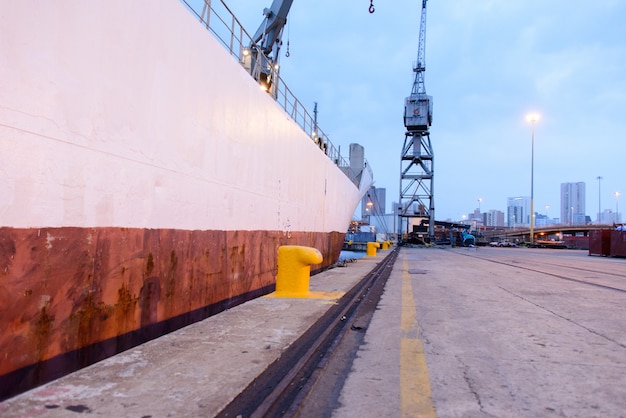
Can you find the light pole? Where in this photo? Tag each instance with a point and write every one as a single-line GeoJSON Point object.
{"type": "Point", "coordinates": [533, 117]}
{"type": "Point", "coordinates": [616, 207]}
{"type": "Point", "coordinates": [599, 207]}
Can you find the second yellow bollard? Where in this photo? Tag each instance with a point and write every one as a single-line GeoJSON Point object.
{"type": "Point", "coordinates": [371, 249]}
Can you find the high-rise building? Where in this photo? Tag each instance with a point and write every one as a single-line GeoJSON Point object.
{"type": "Point", "coordinates": [518, 211]}
{"type": "Point", "coordinates": [494, 218]}
{"type": "Point", "coordinates": [573, 203]}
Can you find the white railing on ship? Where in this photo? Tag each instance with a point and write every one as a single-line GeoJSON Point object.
{"type": "Point", "coordinates": [222, 23]}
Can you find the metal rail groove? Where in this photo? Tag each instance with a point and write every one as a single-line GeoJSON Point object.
{"type": "Point", "coordinates": [556, 275]}
{"type": "Point", "coordinates": [286, 381]}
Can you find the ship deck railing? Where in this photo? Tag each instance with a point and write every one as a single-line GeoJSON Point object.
{"type": "Point", "coordinates": [222, 23]}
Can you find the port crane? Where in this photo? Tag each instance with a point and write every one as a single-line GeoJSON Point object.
{"type": "Point", "coordinates": [260, 58]}
{"type": "Point", "coordinates": [416, 161]}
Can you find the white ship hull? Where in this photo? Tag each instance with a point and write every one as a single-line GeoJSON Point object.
{"type": "Point", "coordinates": [147, 182]}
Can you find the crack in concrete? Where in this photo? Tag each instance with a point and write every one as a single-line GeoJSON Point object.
{"type": "Point", "coordinates": [606, 337]}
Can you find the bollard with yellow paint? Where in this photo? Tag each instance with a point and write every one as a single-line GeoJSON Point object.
{"type": "Point", "coordinates": [385, 245]}
{"type": "Point", "coordinates": [371, 249]}
{"type": "Point", "coordinates": [294, 270]}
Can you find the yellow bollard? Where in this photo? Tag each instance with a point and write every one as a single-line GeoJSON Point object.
{"type": "Point", "coordinates": [385, 245]}
{"type": "Point", "coordinates": [294, 270]}
{"type": "Point", "coordinates": [371, 249]}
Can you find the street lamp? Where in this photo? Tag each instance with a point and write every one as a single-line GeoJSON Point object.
{"type": "Point", "coordinates": [532, 118]}
{"type": "Point", "coordinates": [616, 207]}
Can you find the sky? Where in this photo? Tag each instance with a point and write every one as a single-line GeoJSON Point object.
{"type": "Point", "coordinates": [489, 63]}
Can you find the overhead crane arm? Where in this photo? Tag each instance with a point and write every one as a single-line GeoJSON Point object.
{"type": "Point", "coordinates": [261, 58]}
{"type": "Point", "coordinates": [268, 35]}
{"type": "Point", "coordinates": [418, 108]}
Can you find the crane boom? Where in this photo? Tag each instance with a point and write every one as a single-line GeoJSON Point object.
{"type": "Point", "coordinates": [420, 69]}
{"type": "Point", "coordinates": [268, 35]}
{"type": "Point", "coordinates": [261, 57]}
{"type": "Point", "coordinates": [418, 110]}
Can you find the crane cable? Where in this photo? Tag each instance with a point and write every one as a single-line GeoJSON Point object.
{"type": "Point", "coordinates": [288, 35]}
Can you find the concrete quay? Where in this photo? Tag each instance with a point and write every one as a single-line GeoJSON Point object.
{"type": "Point", "coordinates": [195, 371]}
{"type": "Point", "coordinates": [481, 332]}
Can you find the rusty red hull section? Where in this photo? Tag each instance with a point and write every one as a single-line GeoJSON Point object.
{"type": "Point", "coordinates": [72, 296]}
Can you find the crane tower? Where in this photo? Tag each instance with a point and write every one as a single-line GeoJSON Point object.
{"type": "Point", "coordinates": [416, 204]}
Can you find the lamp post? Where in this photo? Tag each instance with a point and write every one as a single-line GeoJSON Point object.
{"type": "Point", "coordinates": [616, 207]}
{"type": "Point", "coordinates": [533, 117]}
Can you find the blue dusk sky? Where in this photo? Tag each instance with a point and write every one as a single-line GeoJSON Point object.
{"type": "Point", "coordinates": [488, 64]}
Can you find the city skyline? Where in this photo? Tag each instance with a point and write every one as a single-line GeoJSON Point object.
{"type": "Point", "coordinates": [572, 198]}
{"type": "Point", "coordinates": [515, 214]}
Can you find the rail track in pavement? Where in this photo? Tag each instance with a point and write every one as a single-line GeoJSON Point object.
{"type": "Point", "coordinates": [602, 272]}
{"type": "Point", "coordinates": [307, 378]}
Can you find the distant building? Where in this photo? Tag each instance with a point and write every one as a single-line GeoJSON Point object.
{"type": "Point", "coordinates": [573, 203]}
{"type": "Point", "coordinates": [493, 218]}
{"type": "Point", "coordinates": [609, 217]}
{"type": "Point", "coordinates": [518, 211]}
{"type": "Point", "coordinates": [475, 219]}
{"type": "Point", "coordinates": [373, 203]}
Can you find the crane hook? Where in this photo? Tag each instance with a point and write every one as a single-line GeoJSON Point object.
{"type": "Point", "coordinates": [371, 9]}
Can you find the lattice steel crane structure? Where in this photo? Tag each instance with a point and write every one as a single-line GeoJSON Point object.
{"type": "Point", "coordinates": [416, 162]}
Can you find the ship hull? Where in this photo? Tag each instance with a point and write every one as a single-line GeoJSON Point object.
{"type": "Point", "coordinates": [147, 183]}
{"type": "Point", "coordinates": [84, 294]}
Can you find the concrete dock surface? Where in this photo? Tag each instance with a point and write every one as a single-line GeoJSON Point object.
{"type": "Point", "coordinates": [494, 337]}
{"type": "Point", "coordinates": [479, 332]}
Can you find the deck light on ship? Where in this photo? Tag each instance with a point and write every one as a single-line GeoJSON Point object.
{"type": "Point", "coordinates": [532, 118]}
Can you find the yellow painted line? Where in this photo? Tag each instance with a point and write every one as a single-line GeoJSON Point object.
{"type": "Point", "coordinates": [309, 295]}
{"type": "Point", "coordinates": [415, 392]}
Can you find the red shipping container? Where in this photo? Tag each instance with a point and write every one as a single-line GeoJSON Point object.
{"type": "Point", "coordinates": [618, 243]}
{"type": "Point", "coordinates": [600, 242]}
{"type": "Point", "coordinates": [577, 242]}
